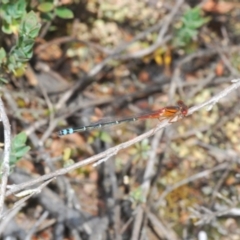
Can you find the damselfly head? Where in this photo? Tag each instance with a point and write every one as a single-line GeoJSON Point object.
{"type": "Point", "coordinates": [183, 107]}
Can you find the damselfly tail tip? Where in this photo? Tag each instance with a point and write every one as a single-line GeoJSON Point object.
{"type": "Point", "coordinates": [65, 132]}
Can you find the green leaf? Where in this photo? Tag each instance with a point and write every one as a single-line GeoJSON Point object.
{"type": "Point", "coordinates": [19, 140]}
{"type": "Point", "coordinates": [13, 159]}
{"type": "Point", "coordinates": [28, 46]}
{"type": "Point", "coordinates": [22, 151]}
{"type": "Point", "coordinates": [10, 67]}
{"type": "Point", "coordinates": [191, 21]}
{"type": "Point", "coordinates": [20, 7]}
{"type": "Point", "coordinates": [45, 7]}
{"type": "Point", "coordinates": [137, 195]}
{"type": "Point", "coordinates": [8, 19]}
{"type": "Point", "coordinates": [19, 148]}
{"type": "Point", "coordinates": [30, 22]}
{"type": "Point", "coordinates": [34, 32]}
{"type": "Point", "coordinates": [3, 80]}
{"type": "Point", "coordinates": [6, 28]}
{"type": "Point", "coordinates": [49, 16]}
{"type": "Point", "coordinates": [194, 24]}
{"type": "Point", "coordinates": [105, 137]}
{"type": "Point", "coordinates": [64, 13]}
{"type": "Point", "coordinates": [2, 55]}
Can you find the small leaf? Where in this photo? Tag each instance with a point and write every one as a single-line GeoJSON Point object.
{"type": "Point", "coordinates": [29, 23]}
{"type": "Point", "coordinates": [3, 80]}
{"type": "Point", "coordinates": [64, 13]}
{"type": "Point", "coordinates": [34, 33]}
{"type": "Point", "coordinates": [19, 148]}
{"type": "Point", "coordinates": [13, 159]}
{"type": "Point", "coordinates": [105, 137]}
{"type": "Point", "coordinates": [6, 28]}
{"type": "Point", "coordinates": [28, 46]}
{"type": "Point", "coordinates": [2, 55]}
{"type": "Point", "coordinates": [49, 16]}
{"type": "Point", "coordinates": [20, 7]}
{"type": "Point", "coordinates": [45, 7]}
{"type": "Point", "coordinates": [10, 67]}
{"type": "Point", "coordinates": [22, 151]}
{"type": "Point", "coordinates": [19, 140]}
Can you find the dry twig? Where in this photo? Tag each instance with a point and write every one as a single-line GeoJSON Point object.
{"type": "Point", "coordinates": [6, 154]}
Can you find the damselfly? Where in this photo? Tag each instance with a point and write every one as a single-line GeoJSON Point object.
{"type": "Point", "coordinates": [173, 113]}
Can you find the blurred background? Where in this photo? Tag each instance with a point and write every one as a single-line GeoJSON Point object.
{"type": "Point", "coordinates": [73, 63]}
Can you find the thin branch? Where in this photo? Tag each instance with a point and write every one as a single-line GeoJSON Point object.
{"type": "Point", "coordinates": [164, 232]}
{"type": "Point", "coordinates": [6, 154]}
{"type": "Point", "coordinates": [114, 150]}
{"type": "Point", "coordinates": [216, 98]}
{"type": "Point", "coordinates": [137, 223]}
{"type": "Point", "coordinates": [149, 172]}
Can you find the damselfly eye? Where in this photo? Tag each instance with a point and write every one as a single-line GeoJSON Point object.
{"type": "Point", "coordinates": [184, 112]}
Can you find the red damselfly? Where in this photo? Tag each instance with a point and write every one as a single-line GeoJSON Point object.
{"type": "Point", "coordinates": [172, 113]}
